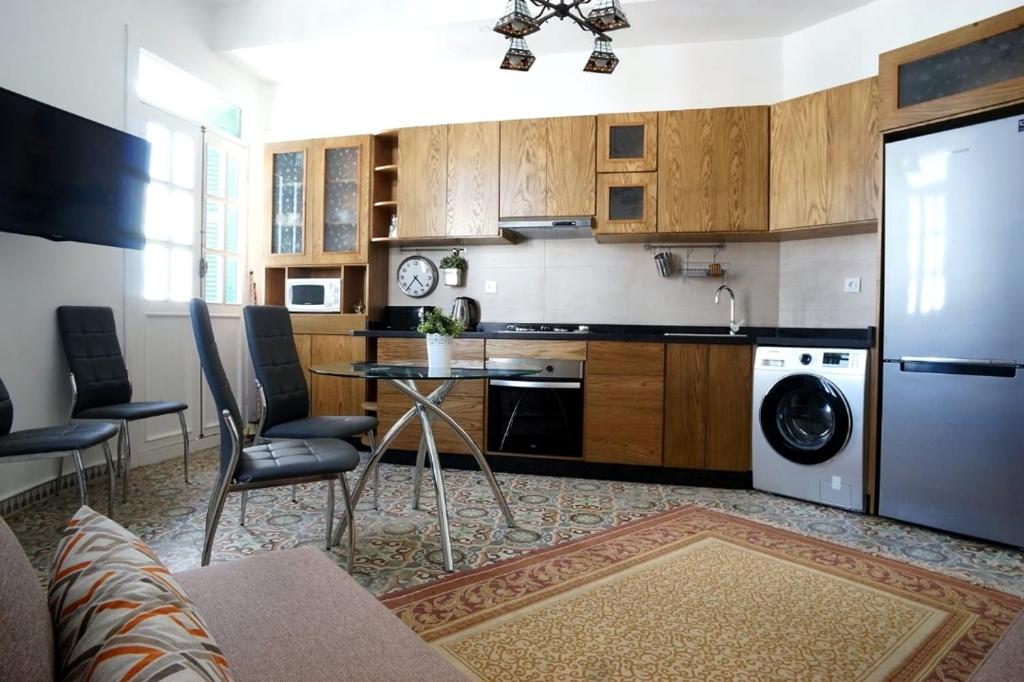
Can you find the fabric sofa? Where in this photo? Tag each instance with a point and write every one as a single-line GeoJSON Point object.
{"type": "Point", "coordinates": [287, 615]}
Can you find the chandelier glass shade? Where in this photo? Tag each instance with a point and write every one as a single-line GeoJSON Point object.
{"type": "Point", "coordinates": [519, 21]}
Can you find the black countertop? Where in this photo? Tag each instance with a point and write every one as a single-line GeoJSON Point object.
{"type": "Point", "coordinates": [809, 337]}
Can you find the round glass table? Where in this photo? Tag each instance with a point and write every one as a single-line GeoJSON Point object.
{"type": "Point", "coordinates": [426, 409]}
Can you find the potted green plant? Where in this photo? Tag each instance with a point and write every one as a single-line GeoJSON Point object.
{"type": "Point", "coordinates": [439, 329]}
{"type": "Point", "coordinates": [453, 268]}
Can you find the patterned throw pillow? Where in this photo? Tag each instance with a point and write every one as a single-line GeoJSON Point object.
{"type": "Point", "coordinates": [119, 615]}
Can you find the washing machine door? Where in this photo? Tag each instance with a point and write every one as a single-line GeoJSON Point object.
{"type": "Point", "coordinates": [806, 419]}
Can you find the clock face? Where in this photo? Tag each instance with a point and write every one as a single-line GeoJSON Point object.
{"type": "Point", "coordinates": [417, 276]}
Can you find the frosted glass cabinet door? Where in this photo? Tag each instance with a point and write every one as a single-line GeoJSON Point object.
{"type": "Point", "coordinates": [288, 202]}
{"type": "Point", "coordinates": [341, 201]}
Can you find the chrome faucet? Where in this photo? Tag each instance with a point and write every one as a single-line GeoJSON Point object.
{"type": "Point", "coordinates": [734, 326]}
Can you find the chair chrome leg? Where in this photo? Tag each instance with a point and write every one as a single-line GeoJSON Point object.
{"type": "Point", "coordinates": [83, 494]}
{"type": "Point", "coordinates": [120, 448]}
{"type": "Point", "coordinates": [241, 515]}
{"type": "Point", "coordinates": [295, 490]}
{"type": "Point", "coordinates": [60, 475]}
{"type": "Point", "coordinates": [329, 513]}
{"type": "Point", "coordinates": [372, 438]}
{"type": "Point", "coordinates": [350, 515]}
{"type": "Point", "coordinates": [127, 461]}
{"type": "Point", "coordinates": [213, 512]}
{"type": "Point", "coordinates": [442, 504]}
{"type": "Point", "coordinates": [111, 481]}
{"type": "Point", "coordinates": [184, 441]}
{"type": "Point", "coordinates": [417, 481]}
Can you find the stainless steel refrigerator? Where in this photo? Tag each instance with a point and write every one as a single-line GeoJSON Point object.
{"type": "Point", "coordinates": [952, 429]}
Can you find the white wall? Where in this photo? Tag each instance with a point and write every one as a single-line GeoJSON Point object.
{"type": "Point", "coordinates": [581, 281]}
{"type": "Point", "coordinates": [73, 55]}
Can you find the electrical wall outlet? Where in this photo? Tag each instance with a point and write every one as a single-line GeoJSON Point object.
{"type": "Point", "coordinates": [852, 285]}
{"type": "Point", "coordinates": [491, 286]}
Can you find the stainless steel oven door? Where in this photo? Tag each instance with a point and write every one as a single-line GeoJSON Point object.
{"type": "Point", "coordinates": [537, 415]}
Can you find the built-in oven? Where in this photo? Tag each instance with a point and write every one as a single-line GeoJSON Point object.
{"type": "Point", "coordinates": [537, 414]}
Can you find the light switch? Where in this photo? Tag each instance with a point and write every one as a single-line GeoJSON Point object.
{"type": "Point", "coordinates": [852, 285]}
{"type": "Point", "coordinates": [491, 286]}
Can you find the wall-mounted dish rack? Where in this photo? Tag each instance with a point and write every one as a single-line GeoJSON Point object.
{"type": "Point", "coordinates": [689, 267]}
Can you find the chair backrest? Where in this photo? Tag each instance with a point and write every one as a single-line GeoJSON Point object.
{"type": "Point", "coordinates": [94, 356]}
{"type": "Point", "coordinates": [276, 361]}
{"type": "Point", "coordinates": [216, 378]}
{"type": "Point", "coordinates": [6, 410]}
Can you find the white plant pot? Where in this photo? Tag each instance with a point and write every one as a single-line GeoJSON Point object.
{"type": "Point", "coordinates": [452, 277]}
{"type": "Point", "coordinates": [439, 351]}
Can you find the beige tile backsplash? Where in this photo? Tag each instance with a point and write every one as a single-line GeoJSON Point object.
{"type": "Point", "coordinates": [581, 281]}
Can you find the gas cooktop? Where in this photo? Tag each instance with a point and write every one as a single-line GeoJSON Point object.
{"type": "Point", "coordinates": [545, 329]}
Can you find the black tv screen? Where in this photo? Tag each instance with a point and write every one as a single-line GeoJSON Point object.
{"type": "Point", "coordinates": [64, 177]}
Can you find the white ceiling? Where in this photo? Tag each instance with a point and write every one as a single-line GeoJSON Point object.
{"type": "Point", "coordinates": [289, 40]}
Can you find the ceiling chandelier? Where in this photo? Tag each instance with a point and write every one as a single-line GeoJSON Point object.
{"type": "Point", "coordinates": [519, 22]}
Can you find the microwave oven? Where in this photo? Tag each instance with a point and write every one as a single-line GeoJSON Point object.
{"type": "Point", "coordinates": [313, 295]}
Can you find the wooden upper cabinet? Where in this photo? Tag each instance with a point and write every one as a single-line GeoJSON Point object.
{"type": "Point", "coordinates": [627, 143]}
{"type": "Point", "coordinates": [290, 202]}
{"type": "Point", "coordinates": [422, 189]}
{"type": "Point", "coordinates": [627, 203]}
{"type": "Point", "coordinates": [713, 170]}
{"type": "Point", "coordinates": [825, 157]}
{"type": "Point", "coordinates": [472, 192]}
{"type": "Point", "coordinates": [548, 167]}
{"type": "Point", "coordinates": [340, 193]}
{"type": "Point", "coordinates": [975, 67]}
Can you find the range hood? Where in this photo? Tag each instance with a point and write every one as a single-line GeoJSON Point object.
{"type": "Point", "coordinates": [549, 228]}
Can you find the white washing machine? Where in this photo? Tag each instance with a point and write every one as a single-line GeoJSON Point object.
{"type": "Point", "coordinates": [808, 430]}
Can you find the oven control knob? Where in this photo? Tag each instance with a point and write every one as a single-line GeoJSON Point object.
{"type": "Point", "coordinates": [805, 359]}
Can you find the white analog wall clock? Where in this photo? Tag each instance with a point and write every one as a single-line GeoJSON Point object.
{"type": "Point", "coordinates": [417, 276]}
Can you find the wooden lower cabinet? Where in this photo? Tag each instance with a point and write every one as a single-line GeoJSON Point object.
{"type": "Point", "coordinates": [623, 400]}
{"type": "Point", "coordinates": [708, 394]}
{"type": "Point", "coordinates": [465, 403]}
{"type": "Point", "coordinates": [332, 396]}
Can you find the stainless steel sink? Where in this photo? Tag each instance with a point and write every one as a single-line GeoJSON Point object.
{"type": "Point", "coordinates": [708, 335]}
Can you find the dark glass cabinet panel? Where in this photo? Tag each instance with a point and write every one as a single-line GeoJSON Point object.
{"type": "Point", "coordinates": [288, 202]}
{"type": "Point", "coordinates": [341, 200]}
{"type": "Point", "coordinates": [969, 67]}
{"type": "Point", "coordinates": [626, 142]}
{"type": "Point", "coordinates": [626, 203]}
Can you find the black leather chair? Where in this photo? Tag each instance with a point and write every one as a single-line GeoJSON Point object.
{"type": "Point", "coordinates": [100, 385]}
{"type": "Point", "coordinates": [284, 393]}
{"type": "Point", "coordinates": [268, 464]}
{"type": "Point", "coordinates": [56, 441]}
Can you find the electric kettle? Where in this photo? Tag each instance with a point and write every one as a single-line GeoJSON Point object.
{"type": "Point", "coordinates": [467, 311]}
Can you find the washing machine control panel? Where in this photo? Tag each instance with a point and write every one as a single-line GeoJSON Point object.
{"type": "Point", "coordinates": [812, 359]}
{"type": "Point", "coordinates": [835, 359]}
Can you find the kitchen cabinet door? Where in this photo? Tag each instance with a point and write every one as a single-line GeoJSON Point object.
{"type": "Point", "coordinates": [287, 239]}
{"type": "Point", "coordinates": [524, 168]}
{"type": "Point", "coordinates": [627, 203]}
{"type": "Point", "coordinates": [340, 218]}
{"type": "Point", "coordinates": [422, 190]}
{"type": "Point", "coordinates": [708, 393]}
{"type": "Point", "coordinates": [570, 173]}
{"type": "Point", "coordinates": [854, 152]}
{"type": "Point", "coordinates": [623, 402]}
{"type": "Point", "coordinates": [332, 396]}
{"type": "Point", "coordinates": [627, 143]}
{"type": "Point", "coordinates": [799, 162]}
{"type": "Point", "coordinates": [473, 181]}
{"type": "Point", "coordinates": [304, 347]}
{"type": "Point", "coordinates": [713, 170]}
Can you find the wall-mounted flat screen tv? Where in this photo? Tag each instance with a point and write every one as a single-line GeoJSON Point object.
{"type": "Point", "coordinates": [66, 178]}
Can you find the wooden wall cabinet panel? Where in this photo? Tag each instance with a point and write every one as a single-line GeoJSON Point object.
{"type": "Point", "coordinates": [686, 405]}
{"type": "Point", "coordinates": [472, 192]}
{"type": "Point", "coordinates": [340, 190]}
{"type": "Point", "coordinates": [337, 395]}
{"type": "Point", "coordinates": [627, 143]}
{"type": "Point", "coordinates": [799, 162]}
{"type": "Point", "coordinates": [713, 170]}
{"type": "Point", "coordinates": [548, 167]}
{"type": "Point", "coordinates": [708, 394]}
{"type": "Point", "coordinates": [289, 203]}
{"type": "Point", "coordinates": [422, 188]}
{"type": "Point", "coordinates": [730, 376]}
{"type": "Point", "coordinates": [524, 168]}
{"type": "Point", "coordinates": [623, 403]}
{"type": "Point", "coordinates": [571, 166]}
{"type": "Point", "coordinates": [854, 152]}
{"type": "Point", "coordinates": [627, 203]}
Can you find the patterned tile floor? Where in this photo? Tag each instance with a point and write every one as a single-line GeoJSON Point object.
{"type": "Point", "coordinates": [398, 547]}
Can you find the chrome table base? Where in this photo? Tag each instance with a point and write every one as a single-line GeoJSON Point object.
{"type": "Point", "coordinates": [427, 409]}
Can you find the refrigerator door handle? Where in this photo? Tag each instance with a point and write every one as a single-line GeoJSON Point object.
{"type": "Point", "coordinates": [974, 367]}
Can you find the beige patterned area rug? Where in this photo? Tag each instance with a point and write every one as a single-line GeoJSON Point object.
{"type": "Point", "coordinates": [693, 594]}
